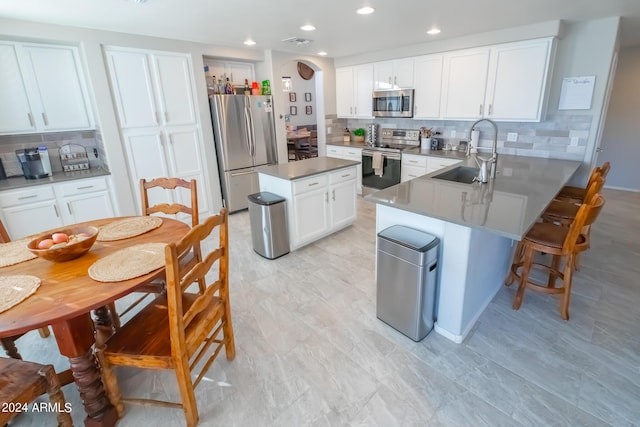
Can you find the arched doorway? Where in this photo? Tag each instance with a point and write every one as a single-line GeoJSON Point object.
{"type": "Point", "coordinates": [303, 108]}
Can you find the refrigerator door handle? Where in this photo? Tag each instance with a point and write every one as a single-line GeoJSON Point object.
{"type": "Point", "coordinates": [252, 137]}
{"type": "Point", "coordinates": [242, 173]}
{"type": "Point", "coordinates": [247, 123]}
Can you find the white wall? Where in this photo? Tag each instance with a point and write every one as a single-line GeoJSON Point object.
{"type": "Point", "coordinates": [300, 86]}
{"type": "Point", "coordinates": [621, 135]}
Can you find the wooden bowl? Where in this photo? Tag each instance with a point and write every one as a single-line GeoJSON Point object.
{"type": "Point", "coordinates": [76, 247]}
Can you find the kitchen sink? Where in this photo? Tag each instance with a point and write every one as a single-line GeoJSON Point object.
{"type": "Point", "coordinates": [463, 174]}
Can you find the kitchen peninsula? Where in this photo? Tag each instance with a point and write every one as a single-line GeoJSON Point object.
{"type": "Point", "coordinates": [478, 225]}
{"type": "Point", "coordinates": [320, 194]}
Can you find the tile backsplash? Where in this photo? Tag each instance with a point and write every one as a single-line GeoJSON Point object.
{"type": "Point", "coordinates": [559, 136]}
{"type": "Point", "coordinates": [90, 140]}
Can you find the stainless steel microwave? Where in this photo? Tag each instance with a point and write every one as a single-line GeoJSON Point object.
{"type": "Point", "coordinates": [393, 103]}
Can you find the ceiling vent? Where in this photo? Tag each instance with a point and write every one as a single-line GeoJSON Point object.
{"type": "Point", "coordinates": [297, 40]}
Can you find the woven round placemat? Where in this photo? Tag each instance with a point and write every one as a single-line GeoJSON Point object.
{"type": "Point", "coordinates": [15, 289]}
{"type": "Point", "coordinates": [15, 252]}
{"type": "Point", "coordinates": [128, 227]}
{"type": "Point", "coordinates": [128, 263]}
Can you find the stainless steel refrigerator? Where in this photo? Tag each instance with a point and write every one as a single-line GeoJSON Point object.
{"type": "Point", "coordinates": [244, 133]}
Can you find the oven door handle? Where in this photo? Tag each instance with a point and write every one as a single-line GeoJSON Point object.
{"type": "Point", "coordinates": [393, 156]}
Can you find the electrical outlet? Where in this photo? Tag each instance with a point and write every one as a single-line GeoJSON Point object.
{"type": "Point", "coordinates": [329, 130]}
{"type": "Point", "coordinates": [507, 172]}
{"type": "Point", "coordinates": [512, 136]}
{"type": "Point", "coordinates": [453, 134]}
{"type": "Point", "coordinates": [574, 141]}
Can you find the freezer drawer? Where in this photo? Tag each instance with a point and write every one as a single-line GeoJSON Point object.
{"type": "Point", "coordinates": [236, 186]}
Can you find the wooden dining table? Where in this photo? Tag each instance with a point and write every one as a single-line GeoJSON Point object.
{"type": "Point", "coordinates": [66, 299]}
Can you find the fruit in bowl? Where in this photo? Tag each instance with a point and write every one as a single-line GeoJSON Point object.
{"type": "Point", "coordinates": [64, 245]}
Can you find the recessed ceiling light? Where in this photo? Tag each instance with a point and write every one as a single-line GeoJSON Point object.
{"type": "Point", "coordinates": [323, 53]}
{"type": "Point", "coordinates": [249, 42]}
{"type": "Point", "coordinates": [138, 1]}
{"type": "Point", "coordinates": [433, 31]}
{"type": "Point", "coordinates": [307, 28]}
{"type": "Point", "coordinates": [365, 10]}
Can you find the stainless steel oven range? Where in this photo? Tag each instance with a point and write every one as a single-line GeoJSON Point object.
{"type": "Point", "coordinates": [381, 162]}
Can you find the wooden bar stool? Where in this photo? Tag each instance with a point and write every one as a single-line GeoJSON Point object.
{"type": "Point", "coordinates": [563, 243]}
{"type": "Point", "coordinates": [22, 382]}
{"type": "Point", "coordinates": [563, 212]}
{"type": "Point", "coordinates": [570, 193]}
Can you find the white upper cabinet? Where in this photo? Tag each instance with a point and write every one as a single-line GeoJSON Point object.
{"type": "Point", "coordinates": [506, 82]}
{"type": "Point", "coordinates": [517, 85]}
{"type": "Point", "coordinates": [237, 72]}
{"type": "Point", "coordinates": [151, 89]}
{"type": "Point", "coordinates": [354, 87]}
{"type": "Point", "coordinates": [464, 83]}
{"type": "Point", "coordinates": [428, 84]}
{"type": "Point", "coordinates": [43, 89]}
{"type": "Point", "coordinates": [397, 74]}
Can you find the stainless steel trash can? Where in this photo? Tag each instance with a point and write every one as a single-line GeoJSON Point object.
{"type": "Point", "coordinates": [267, 214]}
{"type": "Point", "coordinates": [406, 280]}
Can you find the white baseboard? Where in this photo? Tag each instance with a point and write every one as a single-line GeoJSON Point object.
{"type": "Point", "coordinates": [635, 190]}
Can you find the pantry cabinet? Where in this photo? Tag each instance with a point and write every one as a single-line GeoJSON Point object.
{"type": "Point", "coordinates": [354, 86]}
{"type": "Point", "coordinates": [428, 84]}
{"type": "Point", "coordinates": [506, 82]}
{"type": "Point", "coordinates": [151, 89]}
{"type": "Point", "coordinates": [154, 96]}
{"type": "Point", "coordinates": [28, 211]}
{"type": "Point", "coordinates": [396, 74]}
{"type": "Point", "coordinates": [43, 89]}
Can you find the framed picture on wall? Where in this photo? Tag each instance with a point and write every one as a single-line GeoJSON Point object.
{"type": "Point", "coordinates": [293, 110]}
{"type": "Point", "coordinates": [292, 97]}
{"type": "Point", "coordinates": [307, 96]}
{"type": "Point", "coordinates": [308, 110]}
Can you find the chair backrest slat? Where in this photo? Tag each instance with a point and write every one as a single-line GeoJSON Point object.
{"type": "Point", "coordinates": [167, 208]}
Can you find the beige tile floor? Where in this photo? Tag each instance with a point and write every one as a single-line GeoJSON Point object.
{"type": "Point", "coordinates": [310, 351]}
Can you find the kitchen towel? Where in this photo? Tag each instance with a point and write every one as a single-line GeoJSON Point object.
{"type": "Point", "coordinates": [378, 163]}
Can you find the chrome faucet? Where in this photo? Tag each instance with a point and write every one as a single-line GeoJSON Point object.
{"type": "Point", "coordinates": [494, 153]}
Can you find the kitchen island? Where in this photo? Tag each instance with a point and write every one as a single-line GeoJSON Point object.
{"type": "Point", "coordinates": [478, 225]}
{"type": "Point", "coordinates": [320, 194]}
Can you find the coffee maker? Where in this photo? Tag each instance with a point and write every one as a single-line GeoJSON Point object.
{"type": "Point", "coordinates": [34, 162]}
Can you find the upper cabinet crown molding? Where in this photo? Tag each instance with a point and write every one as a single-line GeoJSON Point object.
{"type": "Point", "coordinates": [43, 89]}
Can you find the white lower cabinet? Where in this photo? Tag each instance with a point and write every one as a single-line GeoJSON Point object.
{"type": "Point", "coordinates": [348, 153]}
{"type": "Point", "coordinates": [316, 206]}
{"type": "Point", "coordinates": [415, 165]}
{"type": "Point", "coordinates": [32, 210]}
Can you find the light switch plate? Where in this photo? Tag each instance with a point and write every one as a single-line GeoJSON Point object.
{"type": "Point", "coordinates": [512, 136]}
{"type": "Point", "coordinates": [574, 141]}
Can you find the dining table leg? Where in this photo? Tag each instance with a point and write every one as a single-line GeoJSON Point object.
{"type": "Point", "coordinates": [75, 338]}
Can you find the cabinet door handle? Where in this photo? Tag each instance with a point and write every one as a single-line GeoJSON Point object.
{"type": "Point", "coordinates": [157, 117]}
{"type": "Point", "coordinates": [326, 197]}
{"type": "Point", "coordinates": [389, 80]}
{"type": "Point", "coordinates": [347, 175]}
{"type": "Point", "coordinates": [44, 118]}
{"type": "Point", "coordinates": [55, 208]}
{"type": "Point", "coordinates": [490, 109]}
{"type": "Point", "coordinates": [480, 109]}
{"type": "Point", "coordinates": [313, 183]}
{"type": "Point", "coordinates": [28, 197]}
{"type": "Point", "coordinates": [166, 117]}
{"type": "Point", "coordinates": [395, 80]}
{"type": "Point", "coordinates": [333, 195]}
{"type": "Point", "coordinates": [86, 187]}
{"type": "Point", "coordinates": [355, 110]}
{"type": "Point", "coordinates": [69, 208]}
{"type": "Point", "coordinates": [31, 119]}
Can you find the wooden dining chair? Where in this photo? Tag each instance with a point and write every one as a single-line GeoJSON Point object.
{"type": "Point", "coordinates": [179, 328]}
{"type": "Point", "coordinates": [168, 184]}
{"type": "Point", "coordinates": [22, 382]}
{"type": "Point", "coordinates": [8, 343]}
{"type": "Point", "coordinates": [574, 194]}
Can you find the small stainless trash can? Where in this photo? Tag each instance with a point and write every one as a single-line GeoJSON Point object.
{"type": "Point", "coordinates": [267, 214]}
{"type": "Point", "coordinates": [406, 280]}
